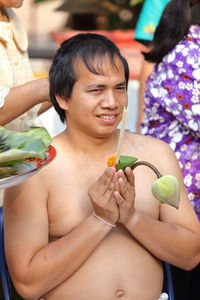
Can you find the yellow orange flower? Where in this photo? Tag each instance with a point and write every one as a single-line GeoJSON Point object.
{"type": "Point", "coordinates": [111, 162]}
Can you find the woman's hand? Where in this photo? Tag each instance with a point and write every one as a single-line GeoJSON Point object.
{"type": "Point", "coordinates": [102, 196]}
{"type": "Point", "coordinates": [125, 195]}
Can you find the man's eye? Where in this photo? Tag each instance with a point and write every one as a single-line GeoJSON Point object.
{"type": "Point", "coordinates": [121, 88]}
{"type": "Point", "coordinates": [95, 91]}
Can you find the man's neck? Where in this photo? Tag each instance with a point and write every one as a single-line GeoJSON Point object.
{"type": "Point", "coordinates": [94, 146]}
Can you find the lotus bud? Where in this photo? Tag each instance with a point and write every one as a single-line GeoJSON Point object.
{"type": "Point", "coordinates": [167, 190]}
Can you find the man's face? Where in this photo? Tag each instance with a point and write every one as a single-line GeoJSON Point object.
{"type": "Point", "coordinates": [97, 101]}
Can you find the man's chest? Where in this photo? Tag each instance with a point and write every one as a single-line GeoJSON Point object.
{"type": "Point", "coordinates": [69, 203]}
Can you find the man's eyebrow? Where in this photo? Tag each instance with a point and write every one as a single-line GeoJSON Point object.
{"type": "Point", "coordinates": [104, 85]}
{"type": "Point", "coordinates": [121, 83]}
{"type": "Point", "coordinates": [91, 86]}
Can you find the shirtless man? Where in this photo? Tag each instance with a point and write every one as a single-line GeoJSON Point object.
{"type": "Point", "coordinates": [56, 248]}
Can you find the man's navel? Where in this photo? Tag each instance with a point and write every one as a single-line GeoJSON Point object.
{"type": "Point", "coordinates": [120, 293]}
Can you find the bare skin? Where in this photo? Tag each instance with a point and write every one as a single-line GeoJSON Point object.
{"type": "Point", "coordinates": [146, 70]}
{"type": "Point", "coordinates": [11, 3]}
{"type": "Point", "coordinates": [23, 97]}
{"type": "Point", "coordinates": [57, 249]}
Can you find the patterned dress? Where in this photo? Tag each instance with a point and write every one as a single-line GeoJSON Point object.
{"type": "Point", "coordinates": [172, 108]}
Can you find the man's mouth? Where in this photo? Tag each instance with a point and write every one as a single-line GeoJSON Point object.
{"type": "Point", "coordinates": [105, 117]}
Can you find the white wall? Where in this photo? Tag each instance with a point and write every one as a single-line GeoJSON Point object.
{"type": "Point", "coordinates": [41, 18]}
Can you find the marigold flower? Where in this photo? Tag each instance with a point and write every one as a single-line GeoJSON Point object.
{"type": "Point", "coordinates": [111, 162]}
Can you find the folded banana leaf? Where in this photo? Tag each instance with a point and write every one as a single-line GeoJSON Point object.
{"type": "Point", "coordinates": [16, 147]}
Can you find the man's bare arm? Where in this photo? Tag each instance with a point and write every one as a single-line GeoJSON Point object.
{"type": "Point", "coordinates": [175, 238]}
{"type": "Point", "coordinates": [37, 266]}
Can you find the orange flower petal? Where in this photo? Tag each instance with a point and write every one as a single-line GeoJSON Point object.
{"type": "Point", "coordinates": [111, 162]}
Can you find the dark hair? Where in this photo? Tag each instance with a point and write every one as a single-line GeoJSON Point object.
{"type": "Point", "coordinates": [174, 25]}
{"type": "Point", "coordinates": [84, 46]}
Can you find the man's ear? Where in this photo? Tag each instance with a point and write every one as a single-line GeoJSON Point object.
{"type": "Point", "coordinates": [62, 102]}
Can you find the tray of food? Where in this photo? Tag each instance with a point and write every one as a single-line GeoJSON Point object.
{"type": "Point", "coordinates": [23, 154]}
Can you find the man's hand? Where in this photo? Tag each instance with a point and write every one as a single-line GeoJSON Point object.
{"type": "Point", "coordinates": [125, 195]}
{"type": "Point", "coordinates": [102, 196]}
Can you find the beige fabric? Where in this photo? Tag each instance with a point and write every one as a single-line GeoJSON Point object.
{"type": "Point", "coordinates": [3, 93]}
{"type": "Point", "coordinates": [15, 68]}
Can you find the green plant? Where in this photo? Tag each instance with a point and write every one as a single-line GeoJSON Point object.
{"type": "Point", "coordinates": [165, 188]}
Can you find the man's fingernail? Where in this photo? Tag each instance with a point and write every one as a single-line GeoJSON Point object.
{"type": "Point", "coordinates": [111, 170]}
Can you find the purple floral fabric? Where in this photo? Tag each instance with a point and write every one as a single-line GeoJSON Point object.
{"type": "Point", "coordinates": [172, 108]}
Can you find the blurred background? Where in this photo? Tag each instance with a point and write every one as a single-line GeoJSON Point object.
{"type": "Point", "coordinates": [49, 22]}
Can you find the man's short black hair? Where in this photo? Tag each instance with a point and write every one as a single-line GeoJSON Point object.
{"type": "Point", "coordinates": [86, 47]}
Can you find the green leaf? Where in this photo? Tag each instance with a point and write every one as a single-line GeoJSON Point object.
{"type": "Point", "coordinates": [17, 155]}
{"type": "Point", "coordinates": [37, 139]}
{"type": "Point", "coordinates": [16, 147]}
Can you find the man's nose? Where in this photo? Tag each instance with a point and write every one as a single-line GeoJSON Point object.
{"type": "Point", "coordinates": [110, 100]}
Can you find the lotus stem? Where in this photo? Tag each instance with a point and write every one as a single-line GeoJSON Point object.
{"type": "Point", "coordinates": [145, 163]}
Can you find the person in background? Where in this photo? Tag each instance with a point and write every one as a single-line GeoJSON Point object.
{"type": "Point", "coordinates": [148, 20]}
{"type": "Point", "coordinates": [79, 229]}
{"type": "Point", "coordinates": [144, 32]}
{"type": "Point", "coordinates": [172, 105]}
{"type": "Point", "coordinates": [21, 97]}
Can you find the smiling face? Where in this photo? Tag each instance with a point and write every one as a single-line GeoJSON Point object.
{"type": "Point", "coordinates": [11, 3]}
{"type": "Point", "coordinates": [97, 100]}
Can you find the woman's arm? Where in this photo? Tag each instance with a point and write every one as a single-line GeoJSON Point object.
{"type": "Point", "coordinates": [23, 97]}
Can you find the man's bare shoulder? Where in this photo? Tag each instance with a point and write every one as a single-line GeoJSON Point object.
{"type": "Point", "coordinates": [60, 142]}
{"type": "Point", "coordinates": [140, 138]}
{"type": "Point", "coordinates": [62, 162]}
{"type": "Point", "coordinates": [146, 144]}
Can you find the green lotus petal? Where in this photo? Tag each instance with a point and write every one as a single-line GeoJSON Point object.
{"type": "Point", "coordinates": [126, 161]}
{"type": "Point", "coordinates": [166, 189]}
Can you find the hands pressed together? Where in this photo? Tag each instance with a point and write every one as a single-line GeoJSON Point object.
{"type": "Point", "coordinates": [113, 195]}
